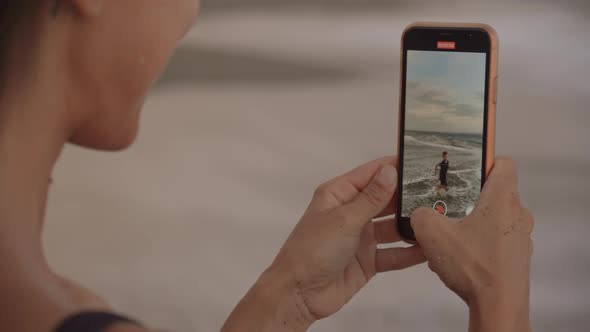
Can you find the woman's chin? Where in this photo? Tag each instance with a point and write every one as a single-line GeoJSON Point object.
{"type": "Point", "coordinates": [106, 141]}
{"type": "Point", "coordinates": [104, 145]}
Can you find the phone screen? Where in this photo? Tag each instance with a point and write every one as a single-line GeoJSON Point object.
{"type": "Point", "coordinates": [443, 122]}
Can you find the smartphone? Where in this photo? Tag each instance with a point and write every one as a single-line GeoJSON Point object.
{"type": "Point", "coordinates": [446, 118]}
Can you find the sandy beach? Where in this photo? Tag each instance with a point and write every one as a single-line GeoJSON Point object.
{"type": "Point", "coordinates": [259, 107]}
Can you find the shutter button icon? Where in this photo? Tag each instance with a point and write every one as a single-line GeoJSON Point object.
{"type": "Point", "coordinates": [440, 207]}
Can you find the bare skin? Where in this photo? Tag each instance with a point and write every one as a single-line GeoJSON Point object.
{"type": "Point", "coordinates": [331, 254]}
{"type": "Point", "coordinates": [78, 73]}
{"type": "Point", "coordinates": [485, 257]}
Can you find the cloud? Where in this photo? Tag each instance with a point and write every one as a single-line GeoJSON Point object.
{"type": "Point", "coordinates": [445, 91]}
{"type": "Point", "coordinates": [466, 110]}
{"type": "Point", "coordinates": [432, 106]}
{"type": "Point", "coordinates": [428, 94]}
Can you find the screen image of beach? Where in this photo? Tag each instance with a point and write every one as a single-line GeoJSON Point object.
{"type": "Point", "coordinates": [444, 128]}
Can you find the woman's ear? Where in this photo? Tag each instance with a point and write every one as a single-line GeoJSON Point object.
{"type": "Point", "coordinates": [85, 7]}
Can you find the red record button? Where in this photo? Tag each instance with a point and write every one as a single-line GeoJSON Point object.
{"type": "Point", "coordinates": [440, 207]}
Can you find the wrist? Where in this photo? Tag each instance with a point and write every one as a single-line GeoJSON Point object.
{"type": "Point", "coordinates": [273, 304]}
{"type": "Point", "coordinates": [279, 291]}
{"type": "Point", "coordinates": [499, 311]}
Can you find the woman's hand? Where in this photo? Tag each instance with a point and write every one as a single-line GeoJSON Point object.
{"type": "Point", "coordinates": [330, 255]}
{"type": "Point", "coordinates": [485, 257]}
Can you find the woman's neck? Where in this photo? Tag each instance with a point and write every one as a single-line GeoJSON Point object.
{"type": "Point", "coordinates": [33, 132]}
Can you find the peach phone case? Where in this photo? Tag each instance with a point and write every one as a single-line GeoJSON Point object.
{"type": "Point", "coordinates": [493, 82]}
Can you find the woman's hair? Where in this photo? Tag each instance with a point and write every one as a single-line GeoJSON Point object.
{"type": "Point", "coordinates": [12, 14]}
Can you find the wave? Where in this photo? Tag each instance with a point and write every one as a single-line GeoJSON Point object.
{"type": "Point", "coordinates": [410, 139]}
{"type": "Point", "coordinates": [444, 143]}
{"type": "Point", "coordinates": [464, 170]}
{"type": "Point", "coordinates": [462, 184]}
{"type": "Point", "coordinates": [420, 185]}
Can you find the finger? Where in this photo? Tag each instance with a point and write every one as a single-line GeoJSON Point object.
{"type": "Point", "coordinates": [390, 209]}
{"type": "Point", "coordinates": [427, 225]}
{"type": "Point", "coordinates": [398, 258]}
{"type": "Point", "coordinates": [502, 182]}
{"type": "Point", "coordinates": [371, 200]}
{"type": "Point", "coordinates": [385, 231]}
{"type": "Point", "coordinates": [361, 176]}
{"type": "Point", "coordinates": [527, 220]}
{"type": "Point", "coordinates": [344, 188]}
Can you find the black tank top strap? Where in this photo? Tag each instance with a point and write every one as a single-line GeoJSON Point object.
{"type": "Point", "coordinates": [92, 321]}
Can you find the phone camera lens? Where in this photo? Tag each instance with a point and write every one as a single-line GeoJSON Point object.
{"type": "Point", "coordinates": [470, 36]}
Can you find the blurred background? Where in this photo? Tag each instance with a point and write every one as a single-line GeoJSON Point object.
{"type": "Point", "coordinates": [266, 99]}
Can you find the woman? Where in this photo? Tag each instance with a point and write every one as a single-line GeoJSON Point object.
{"type": "Point", "coordinates": [78, 70]}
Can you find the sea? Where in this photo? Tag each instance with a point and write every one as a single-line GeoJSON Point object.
{"type": "Point", "coordinates": [422, 151]}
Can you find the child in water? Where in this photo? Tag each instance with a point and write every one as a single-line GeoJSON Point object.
{"type": "Point", "coordinates": [444, 168]}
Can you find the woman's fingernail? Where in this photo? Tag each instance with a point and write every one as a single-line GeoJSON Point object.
{"type": "Point", "coordinates": [387, 177]}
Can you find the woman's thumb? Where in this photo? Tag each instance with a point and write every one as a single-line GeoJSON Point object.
{"type": "Point", "coordinates": [426, 223]}
{"type": "Point", "coordinates": [373, 198]}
